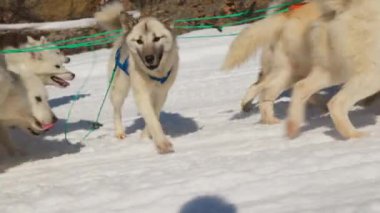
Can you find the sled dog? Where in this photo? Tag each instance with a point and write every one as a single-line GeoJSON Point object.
{"type": "Point", "coordinates": [48, 65]}
{"type": "Point", "coordinates": [285, 55]}
{"type": "Point", "coordinates": [23, 104]}
{"type": "Point", "coordinates": [146, 59]}
{"type": "Point", "coordinates": [345, 50]}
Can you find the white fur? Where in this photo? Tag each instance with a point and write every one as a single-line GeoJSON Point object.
{"type": "Point", "coordinates": [345, 50]}
{"type": "Point", "coordinates": [19, 106]}
{"type": "Point", "coordinates": [47, 64]}
{"type": "Point", "coordinates": [285, 56]}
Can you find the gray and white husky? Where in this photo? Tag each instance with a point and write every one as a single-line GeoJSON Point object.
{"type": "Point", "coordinates": [147, 61]}
{"type": "Point", "coordinates": [23, 104]}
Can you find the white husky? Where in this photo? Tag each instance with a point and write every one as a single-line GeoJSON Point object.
{"type": "Point", "coordinates": [152, 53]}
{"type": "Point", "coordinates": [345, 50]}
{"type": "Point", "coordinates": [23, 104]}
{"type": "Point", "coordinates": [47, 64]}
{"type": "Point", "coordinates": [285, 55]}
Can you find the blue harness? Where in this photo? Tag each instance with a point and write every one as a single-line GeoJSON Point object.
{"type": "Point", "coordinates": [125, 65]}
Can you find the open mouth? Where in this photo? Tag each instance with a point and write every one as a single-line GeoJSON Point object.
{"type": "Point", "coordinates": [60, 81]}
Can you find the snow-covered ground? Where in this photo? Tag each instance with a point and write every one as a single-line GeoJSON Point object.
{"type": "Point", "coordinates": [225, 161]}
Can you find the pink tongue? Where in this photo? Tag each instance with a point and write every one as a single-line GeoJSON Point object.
{"type": "Point", "coordinates": [47, 126]}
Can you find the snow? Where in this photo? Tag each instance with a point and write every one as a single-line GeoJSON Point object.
{"type": "Point", "coordinates": [225, 160]}
{"type": "Point", "coordinates": [56, 25]}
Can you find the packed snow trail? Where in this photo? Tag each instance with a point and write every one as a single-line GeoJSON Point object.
{"type": "Point", "coordinates": [225, 161]}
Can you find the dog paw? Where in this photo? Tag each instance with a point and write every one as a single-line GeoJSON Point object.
{"type": "Point", "coordinates": [121, 135]}
{"type": "Point", "coordinates": [292, 129]}
{"type": "Point", "coordinates": [246, 106]}
{"type": "Point", "coordinates": [165, 147]}
{"type": "Point", "coordinates": [356, 134]}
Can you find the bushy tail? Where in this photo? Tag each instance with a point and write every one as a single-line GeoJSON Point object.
{"type": "Point", "coordinates": [252, 38]}
{"type": "Point", "coordinates": [108, 16]}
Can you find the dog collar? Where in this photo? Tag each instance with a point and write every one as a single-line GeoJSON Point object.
{"type": "Point", "coordinates": [297, 6]}
{"type": "Point", "coordinates": [161, 80]}
{"type": "Point", "coordinates": [123, 66]}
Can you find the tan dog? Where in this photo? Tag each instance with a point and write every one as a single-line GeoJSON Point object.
{"type": "Point", "coordinates": [345, 50]}
{"type": "Point", "coordinates": [285, 57]}
{"type": "Point", "coordinates": [23, 104]}
{"type": "Point", "coordinates": [152, 53]}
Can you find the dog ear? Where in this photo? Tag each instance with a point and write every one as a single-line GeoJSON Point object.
{"type": "Point", "coordinates": [127, 21]}
{"type": "Point", "coordinates": [30, 40]}
{"type": "Point", "coordinates": [43, 40]}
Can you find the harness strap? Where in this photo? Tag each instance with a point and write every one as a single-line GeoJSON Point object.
{"type": "Point", "coordinates": [161, 80]}
{"type": "Point", "coordinates": [123, 66]}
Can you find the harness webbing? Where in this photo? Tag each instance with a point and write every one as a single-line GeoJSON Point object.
{"type": "Point", "coordinates": [161, 80]}
{"type": "Point", "coordinates": [125, 65]}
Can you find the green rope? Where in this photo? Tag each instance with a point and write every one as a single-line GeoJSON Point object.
{"type": "Point", "coordinates": [101, 41]}
{"type": "Point", "coordinates": [109, 38]}
{"type": "Point", "coordinates": [255, 18]}
{"type": "Point", "coordinates": [118, 31]}
{"type": "Point", "coordinates": [244, 21]}
{"type": "Point", "coordinates": [76, 97]}
{"type": "Point", "coordinates": [94, 125]}
{"type": "Point", "coordinates": [234, 15]}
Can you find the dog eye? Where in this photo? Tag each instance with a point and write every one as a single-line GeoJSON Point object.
{"type": "Point", "coordinates": [38, 99]}
{"type": "Point", "coordinates": [156, 39]}
{"type": "Point", "coordinates": [58, 66]}
{"type": "Point", "coordinates": [139, 41]}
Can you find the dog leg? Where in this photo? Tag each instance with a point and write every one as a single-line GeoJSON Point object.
{"type": "Point", "coordinates": [6, 141]}
{"type": "Point", "coordinates": [158, 102]}
{"type": "Point", "coordinates": [252, 92]}
{"type": "Point", "coordinates": [269, 95]}
{"type": "Point", "coordinates": [317, 80]}
{"type": "Point", "coordinates": [147, 110]}
{"type": "Point", "coordinates": [119, 92]}
{"type": "Point", "coordinates": [352, 92]}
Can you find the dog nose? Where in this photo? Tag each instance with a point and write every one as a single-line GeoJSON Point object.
{"type": "Point", "coordinates": [149, 59]}
{"type": "Point", "coordinates": [67, 60]}
{"type": "Point", "coordinates": [72, 75]}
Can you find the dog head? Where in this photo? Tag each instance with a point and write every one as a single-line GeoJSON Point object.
{"type": "Point", "coordinates": [43, 116]}
{"type": "Point", "coordinates": [25, 104]}
{"type": "Point", "coordinates": [50, 64]}
{"type": "Point", "coordinates": [149, 40]}
{"type": "Point", "coordinates": [53, 54]}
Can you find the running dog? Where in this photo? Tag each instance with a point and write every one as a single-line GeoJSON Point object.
{"type": "Point", "coordinates": [285, 54]}
{"type": "Point", "coordinates": [146, 59]}
{"type": "Point", "coordinates": [345, 50]}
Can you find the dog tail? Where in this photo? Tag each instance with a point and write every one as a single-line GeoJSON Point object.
{"type": "Point", "coordinates": [252, 38]}
{"type": "Point", "coordinates": [108, 16]}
